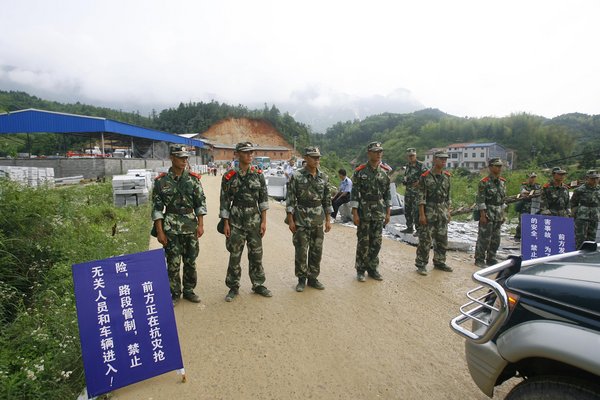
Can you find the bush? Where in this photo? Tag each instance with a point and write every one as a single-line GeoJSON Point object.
{"type": "Point", "coordinates": [42, 233]}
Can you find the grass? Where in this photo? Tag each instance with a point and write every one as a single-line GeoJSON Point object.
{"type": "Point", "coordinates": [42, 232]}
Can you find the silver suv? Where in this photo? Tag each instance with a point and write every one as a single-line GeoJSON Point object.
{"type": "Point", "coordinates": [538, 320]}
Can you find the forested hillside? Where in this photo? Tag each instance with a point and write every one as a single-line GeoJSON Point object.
{"type": "Point", "coordinates": [534, 138]}
{"type": "Point", "coordinates": [571, 138]}
{"type": "Point", "coordinates": [186, 118]}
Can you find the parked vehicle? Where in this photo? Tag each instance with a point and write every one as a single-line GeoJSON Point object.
{"type": "Point", "coordinates": [538, 320]}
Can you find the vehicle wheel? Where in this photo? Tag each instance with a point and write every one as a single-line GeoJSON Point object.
{"type": "Point", "coordinates": [554, 388]}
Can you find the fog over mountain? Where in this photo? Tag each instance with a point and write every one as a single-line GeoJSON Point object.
{"type": "Point", "coordinates": [323, 108]}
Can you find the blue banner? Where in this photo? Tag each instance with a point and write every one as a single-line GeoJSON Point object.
{"type": "Point", "coordinates": [545, 235]}
{"type": "Point", "coordinates": [126, 320]}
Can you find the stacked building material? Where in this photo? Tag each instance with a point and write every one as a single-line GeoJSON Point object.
{"type": "Point", "coordinates": [29, 176]}
{"type": "Point", "coordinates": [132, 189]}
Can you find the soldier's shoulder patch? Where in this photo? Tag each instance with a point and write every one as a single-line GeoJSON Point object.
{"type": "Point", "coordinates": [546, 185]}
{"type": "Point", "coordinates": [160, 175]}
{"type": "Point", "coordinates": [360, 167]}
{"type": "Point", "coordinates": [426, 173]}
{"type": "Point", "coordinates": [196, 175]}
{"type": "Point", "coordinates": [502, 179]}
{"type": "Point", "coordinates": [486, 179]}
{"type": "Point", "coordinates": [447, 173]}
{"type": "Point", "coordinates": [229, 175]}
{"type": "Point", "coordinates": [385, 167]}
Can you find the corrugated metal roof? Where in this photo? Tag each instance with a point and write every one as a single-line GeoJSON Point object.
{"type": "Point", "coordinates": [481, 144]}
{"type": "Point", "coordinates": [32, 120]}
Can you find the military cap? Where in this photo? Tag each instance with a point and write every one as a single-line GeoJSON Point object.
{"type": "Point", "coordinates": [592, 173]}
{"type": "Point", "coordinates": [178, 151]}
{"type": "Point", "coordinates": [441, 154]}
{"type": "Point", "coordinates": [312, 151]}
{"type": "Point", "coordinates": [558, 170]}
{"type": "Point", "coordinates": [244, 146]}
{"type": "Point", "coordinates": [374, 146]}
{"type": "Point", "coordinates": [495, 161]}
{"type": "Point", "coordinates": [411, 151]}
{"type": "Point", "coordinates": [532, 175]}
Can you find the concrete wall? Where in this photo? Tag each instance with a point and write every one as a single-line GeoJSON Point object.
{"type": "Point", "coordinates": [92, 168]}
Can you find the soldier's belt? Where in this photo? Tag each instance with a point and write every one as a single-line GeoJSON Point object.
{"type": "Point", "coordinates": [309, 203]}
{"type": "Point", "coordinates": [180, 211]}
{"type": "Point", "coordinates": [433, 201]}
{"type": "Point", "coordinates": [241, 203]}
{"type": "Point", "coordinates": [371, 198]}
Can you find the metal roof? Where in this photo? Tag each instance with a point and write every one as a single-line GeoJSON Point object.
{"type": "Point", "coordinates": [32, 120]}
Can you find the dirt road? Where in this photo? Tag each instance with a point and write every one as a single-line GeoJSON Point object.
{"type": "Point", "coordinates": [371, 340]}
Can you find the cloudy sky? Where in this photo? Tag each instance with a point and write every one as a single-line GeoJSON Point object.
{"type": "Point", "coordinates": [465, 57]}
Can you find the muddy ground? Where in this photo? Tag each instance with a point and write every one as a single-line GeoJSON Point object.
{"type": "Point", "coordinates": [371, 340]}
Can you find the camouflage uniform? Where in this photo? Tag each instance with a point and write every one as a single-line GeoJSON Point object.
{"type": "Point", "coordinates": [585, 204]}
{"type": "Point", "coordinates": [490, 197]}
{"type": "Point", "coordinates": [243, 198]}
{"type": "Point", "coordinates": [178, 202]}
{"type": "Point", "coordinates": [309, 201]}
{"type": "Point", "coordinates": [434, 193]}
{"type": "Point", "coordinates": [371, 196]}
{"type": "Point", "coordinates": [526, 187]}
{"type": "Point", "coordinates": [555, 200]}
{"type": "Point", "coordinates": [411, 196]}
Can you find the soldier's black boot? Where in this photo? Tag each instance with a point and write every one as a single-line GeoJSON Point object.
{"type": "Point", "coordinates": [194, 298]}
{"type": "Point", "coordinates": [314, 282]}
{"type": "Point", "coordinates": [301, 284]}
{"type": "Point", "coordinates": [231, 295]}
{"type": "Point", "coordinates": [375, 275]}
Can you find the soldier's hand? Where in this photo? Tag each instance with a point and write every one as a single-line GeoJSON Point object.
{"type": "Point", "coordinates": [199, 231]}
{"type": "Point", "coordinates": [386, 220]}
{"type": "Point", "coordinates": [356, 220]}
{"type": "Point", "coordinates": [226, 228]}
{"type": "Point", "coordinates": [263, 228]}
{"type": "Point", "coordinates": [483, 219]}
{"type": "Point", "coordinates": [162, 238]}
{"type": "Point", "coordinates": [327, 224]}
{"type": "Point", "coordinates": [292, 225]}
{"type": "Point", "coordinates": [422, 220]}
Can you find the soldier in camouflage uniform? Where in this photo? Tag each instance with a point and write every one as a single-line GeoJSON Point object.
{"type": "Point", "coordinates": [555, 195]}
{"type": "Point", "coordinates": [524, 206]}
{"type": "Point", "coordinates": [244, 205]}
{"type": "Point", "coordinates": [179, 206]}
{"type": "Point", "coordinates": [412, 173]}
{"type": "Point", "coordinates": [490, 203]}
{"type": "Point", "coordinates": [585, 205]}
{"type": "Point", "coordinates": [371, 204]}
{"type": "Point", "coordinates": [434, 215]}
{"type": "Point", "coordinates": [308, 205]}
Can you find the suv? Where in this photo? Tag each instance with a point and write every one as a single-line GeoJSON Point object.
{"type": "Point", "coordinates": [538, 320]}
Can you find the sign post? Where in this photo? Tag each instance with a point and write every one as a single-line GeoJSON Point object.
{"type": "Point", "coordinates": [545, 235]}
{"type": "Point", "coordinates": [126, 320]}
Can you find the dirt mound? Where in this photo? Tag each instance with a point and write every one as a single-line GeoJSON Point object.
{"type": "Point", "coordinates": [235, 130]}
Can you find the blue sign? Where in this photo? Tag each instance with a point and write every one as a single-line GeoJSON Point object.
{"type": "Point", "coordinates": [126, 320]}
{"type": "Point", "coordinates": [545, 235]}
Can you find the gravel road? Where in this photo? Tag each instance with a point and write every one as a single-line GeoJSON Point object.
{"type": "Point", "coordinates": [371, 340]}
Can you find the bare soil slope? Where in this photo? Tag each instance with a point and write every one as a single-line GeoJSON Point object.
{"type": "Point", "coordinates": [371, 340]}
{"type": "Point", "coordinates": [235, 130]}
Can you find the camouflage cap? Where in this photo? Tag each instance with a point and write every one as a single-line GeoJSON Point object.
{"type": "Point", "coordinates": [441, 154]}
{"type": "Point", "coordinates": [178, 151]}
{"type": "Point", "coordinates": [558, 170]}
{"type": "Point", "coordinates": [532, 175]}
{"type": "Point", "coordinates": [244, 146]}
{"type": "Point", "coordinates": [495, 162]}
{"type": "Point", "coordinates": [312, 151]}
{"type": "Point", "coordinates": [411, 151]}
{"type": "Point", "coordinates": [374, 146]}
{"type": "Point", "coordinates": [592, 173]}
